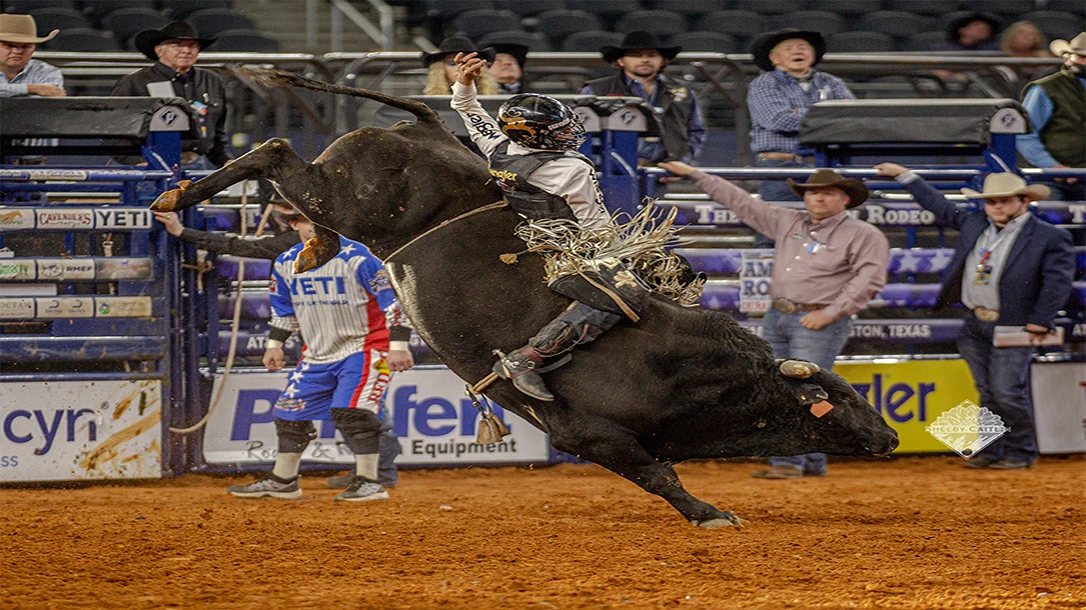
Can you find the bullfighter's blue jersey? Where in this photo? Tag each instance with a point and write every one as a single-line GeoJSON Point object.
{"type": "Point", "coordinates": [343, 307]}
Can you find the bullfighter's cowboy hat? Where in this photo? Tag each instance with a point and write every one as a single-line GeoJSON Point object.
{"type": "Point", "coordinates": [1005, 184]}
{"type": "Point", "coordinates": [855, 189]}
{"type": "Point", "coordinates": [517, 50]}
{"type": "Point", "coordinates": [146, 41]}
{"type": "Point", "coordinates": [21, 29]}
{"type": "Point", "coordinates": [1077, 45]}
{"type": "Point", "coordinates": [453, 45]}
{"type": "Point", "coordinates": [638, 40]}
{"type": "Point", "coordinates": [764, 44]}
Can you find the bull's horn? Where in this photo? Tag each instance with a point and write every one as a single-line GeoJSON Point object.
{"type": "Point", "coordinates": [798, 369]}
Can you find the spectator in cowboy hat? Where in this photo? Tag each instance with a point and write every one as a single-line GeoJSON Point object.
{"type": "Point", "coordinates": [443, 70]}
{"type": "Point", "coordinates": [20, 73]}
{"type": "Point", "coordinates": [508, 66]}
{"type": "Point", "coordinates": [640, 60]}
{"type": "Point", "coordinates": [175, 49]}
{"type": "Point", "coordinates": [827, 267]}
{"type": "Point", "coordinates": [1009, 268]}
{"type": "Point", "coordinates": [778, 100]}
{"type": "Point", "coordinates": [1057, 109]}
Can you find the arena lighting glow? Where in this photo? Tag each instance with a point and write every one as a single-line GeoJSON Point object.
{"type": "Point", "coordinates": [886, 360]}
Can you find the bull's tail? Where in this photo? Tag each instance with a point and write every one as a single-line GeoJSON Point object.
{"type": "Point", "coordinates": [279, 78]}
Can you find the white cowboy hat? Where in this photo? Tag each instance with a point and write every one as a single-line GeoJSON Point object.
{"type": "Point", "coordinates": [1077, 46]}
{"type": "Point", "coordinates": [1005, 184]}
{"type": "Point", "coordinates": [21, 29]}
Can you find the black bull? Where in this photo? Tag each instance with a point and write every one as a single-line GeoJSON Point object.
{"type": "Point", "coordinates": [681, 384]}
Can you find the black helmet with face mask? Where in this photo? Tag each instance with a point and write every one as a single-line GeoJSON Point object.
{"type": "Point", "coordinates": [542, 122]}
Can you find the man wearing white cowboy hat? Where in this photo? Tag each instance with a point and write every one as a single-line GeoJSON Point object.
{"type": "Point", "coordinates": [1057, 109]}
{"type": "Point", "coordinates": [20, 74]}
{"type": "Point", "coordinates": [640, 60]}
{"type": "Point", "coordinates": [1009, 268]}
{"type": "Point", "coordinates": [827, 267]}
{"type": "Point", "coordinates": [175, 49]}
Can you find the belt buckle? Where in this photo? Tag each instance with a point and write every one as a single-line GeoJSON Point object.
{"type": "Point", "coordinates": [784, 306]}
{"type": "Point", "coordinates": [986, 315]}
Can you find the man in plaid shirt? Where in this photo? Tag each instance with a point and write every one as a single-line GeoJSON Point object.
{"type": "Point", "coordinates": [778, 99]}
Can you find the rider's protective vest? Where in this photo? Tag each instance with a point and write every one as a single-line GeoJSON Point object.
{"type": "Point", "coordinates": [532, 202]}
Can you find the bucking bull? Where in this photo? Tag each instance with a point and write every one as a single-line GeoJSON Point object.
{"type": "Point", "coordinates": [681, 384]}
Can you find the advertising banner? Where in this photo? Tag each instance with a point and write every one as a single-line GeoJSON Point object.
{"type": "Point", "coordinates": [754, 279]}
{"type": "Point", "coordinates": [434, 420]}
{"type": "Point", "coordinates": [912, 394]}
{"type": "Point", "coordinates": [70, 430]}
{"type": "Point", "coordinates": [1059, 406]}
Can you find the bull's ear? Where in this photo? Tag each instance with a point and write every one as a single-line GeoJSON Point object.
{"type": "Point", "coordinates": [317, 251]}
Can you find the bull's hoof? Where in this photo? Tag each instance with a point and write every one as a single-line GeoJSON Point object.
{"type": "Point", "coordinates": [167, 202]}
{"type": "Point", "coordinates": [726, 520]}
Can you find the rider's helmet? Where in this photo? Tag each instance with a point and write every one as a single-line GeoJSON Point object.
{"type": "Point", "coordinates": [538, 121]}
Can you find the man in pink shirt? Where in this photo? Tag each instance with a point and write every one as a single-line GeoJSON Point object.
{"type": "Point", "coordinates": [827, 266]}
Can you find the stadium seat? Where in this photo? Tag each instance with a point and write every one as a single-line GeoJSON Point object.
{"type": "Point", "coordinates": [30, 6]}
{"type": "Point", "coordinates": [125, 22]}
{"type": "Point", "coordinates": [180, 9]}
{"type": "Point", "coordinates": [709, 42]}
{"type": "Point", "coordinates": [209, 22]}
{"type": "Point", "coordinates": [483, 21]}
{"type": "Point", "coordinates": [688, 7]}
{"type": "Point", "coordinates": [245, 41]}
{"type": "Point", "coordinates": [591, 41]}
{"type": "Point", "coordinates": [924, 41]}
{"type": "Point", "coordinates": [1003, 7]}
{"type": "Point", "coordinates": [1075, 7]}
{"type": "Point", "coordinates": [774, 7]}
{"type": "Point", "coordinates": [83, 39]}
{"type": "Point", "coordinates": [860, 42]}
{"type": "Point", "coordinates": [741, 24]}
{"type": "Point", "coordinates": [559, 24]}
{"type": "Point", "coordinates": [661, 23]}
{"type": "Point", "coordinates": [100, 8]}
{"type": "Point", "coordinates": [895, 23]}
{"type": "Point", "coordinates": [610, 7]}
{"type": "Point", "coordinates": [531, 8]}
{"type": "Point", "coordinates": [922, 7]}
{"type": "Point", "coordinates": [819, 21]}
{"type": "Point", "coordinates": [448, 8]}
{"type": "Point", "coordinates": [849, 7]}
{"type": "Point", "coordinates": [535, 41]}
{"type": "Point", "coordinates": [49, 19]}
{"type": "Point", "coordinates": [1056, 24]}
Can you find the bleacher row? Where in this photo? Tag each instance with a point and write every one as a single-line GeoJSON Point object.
{"type": "Point", "coordinates": [110, 25]}
{"type": "Point", "coordinates": [728, 26]}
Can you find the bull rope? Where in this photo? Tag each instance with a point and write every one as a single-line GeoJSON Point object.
{"type": "Point", "coordinates": [491, 206]}
{"type": "Point", "coordinates": [236, 322]}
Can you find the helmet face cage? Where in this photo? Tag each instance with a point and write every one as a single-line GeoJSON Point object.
{"type": "Point", "coordinates": [538, 121]}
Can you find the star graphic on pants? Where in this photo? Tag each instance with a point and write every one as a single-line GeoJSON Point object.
{"type": "Point", "coordinates": [346, 250]}
{"type": "Point", "coordinates": [291, 391]}
{"type": "Point", "coordinates": [304, 366]}
{"type": "Point", "coordinates": [296, 376]}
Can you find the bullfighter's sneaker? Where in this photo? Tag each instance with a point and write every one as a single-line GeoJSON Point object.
{"type": "Point", "coordinates": [270, 486]}
{"type": "Point", "coordinates": [344, 481]}
{"type": "Point", "coordinates": [519, 367]}
{"type": "Point", "coordinates": [362, 489]}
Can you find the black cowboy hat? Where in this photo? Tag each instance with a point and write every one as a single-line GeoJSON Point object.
{"type": "Point", "coordinates": [146, 41]}
{"type": "Point", "coordinates": [638, 40]}
{"type": "Point", "coordinates": [855, 189]}
{"type": "Point", "coordinates": [765, 43]}
{"type": "Point", "coordinates": [952, 28]}
{"type": "Point", "coordinates": [518, 51]}
{"type": "Point", "coordinates": [453, 45]}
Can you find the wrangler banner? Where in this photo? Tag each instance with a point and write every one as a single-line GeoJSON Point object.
{"type": "Point", "coordinates": [912, 394]}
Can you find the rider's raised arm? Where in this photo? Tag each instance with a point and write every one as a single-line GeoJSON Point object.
{"type": "Point", "coordinates": [482, 128]}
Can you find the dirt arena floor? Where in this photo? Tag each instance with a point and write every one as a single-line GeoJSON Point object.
{"type": "Point", "coordinates": [904, 533]}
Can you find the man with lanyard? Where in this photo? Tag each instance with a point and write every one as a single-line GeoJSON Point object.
{"type": "Point", "coordinates": [356, 336]}
{"type": "Point", "coordinates": [778, 100]}
{"type": "Point", "coordinates": [640, 60]}
{"type": "Point", "coordinates": [175, 49]}
{"type": "Point", "coordinates": [1009, 268]}
{"type": "Point", "coordinates": [533, 156]}
{"type": "Point", "coordinates": [1057, 109]}
{"type": "Point", "coordinates": [826, 267]}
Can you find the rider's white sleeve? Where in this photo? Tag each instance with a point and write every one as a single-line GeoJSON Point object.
{"type": "Point", "coordinates": [482, 128]}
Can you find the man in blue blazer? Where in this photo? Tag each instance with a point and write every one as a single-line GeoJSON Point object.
{"type": "Point", "coordinates": [1012, 269]}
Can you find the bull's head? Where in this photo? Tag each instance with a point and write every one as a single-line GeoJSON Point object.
{"type": "Point", "coordinates": [851, 427]}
